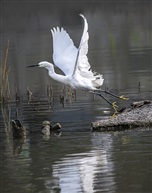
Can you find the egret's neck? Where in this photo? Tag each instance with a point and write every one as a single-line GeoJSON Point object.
{"type": "Point", "coordinates": [53, 75]}
{"type": "Point", "coordinates": [50, 68]}
{"type": "Point", "coordinates": [58, 77]}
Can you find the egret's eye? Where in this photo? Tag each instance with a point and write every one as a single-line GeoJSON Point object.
{"type": "Point", "coordinates": [40, 65]}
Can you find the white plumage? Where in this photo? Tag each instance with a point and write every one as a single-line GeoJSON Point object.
{"type": "Point", "coordinates": [72, 61]}
{"type": "Point", "coordinates": [74, 64]}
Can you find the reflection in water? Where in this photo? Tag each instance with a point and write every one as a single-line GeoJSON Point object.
{"type": "Point", "coordinates": [6, 113]}
{"type": "Point", "coordinates": [18, 146]}
{"type": "Point", "coordinates": [78, 172]}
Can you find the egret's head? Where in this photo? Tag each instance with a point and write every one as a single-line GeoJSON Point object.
{"type": "Point", "coordinates": [44, 64]}
{"type": "Point", "coordinates": [49, 66]}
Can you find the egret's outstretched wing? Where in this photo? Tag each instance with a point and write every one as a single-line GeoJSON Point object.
{"type": "Point", "coordinates": [64, 51]}
{"type": "Point", "coordinates": [82, 63]}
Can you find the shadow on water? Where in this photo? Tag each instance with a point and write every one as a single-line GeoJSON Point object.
{"type": "Point", "coordinates": [76, 160]}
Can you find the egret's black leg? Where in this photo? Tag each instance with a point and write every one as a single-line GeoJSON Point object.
{"type": "Point", "coordinates": [115, 107]}
{"type": "Point", "coordinates": [112, 94]}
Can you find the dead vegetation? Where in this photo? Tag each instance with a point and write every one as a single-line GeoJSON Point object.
{"type": "Point", "coordinates": [5, 86]}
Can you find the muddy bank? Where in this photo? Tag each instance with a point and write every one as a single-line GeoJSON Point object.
{"type": "Point", "coordinates": [139, 114]}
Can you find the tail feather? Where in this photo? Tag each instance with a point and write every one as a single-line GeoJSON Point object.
{"type": "Point", "coordinates": [96, 78]}
{"type": "Point", "coordinates": [98, 81]}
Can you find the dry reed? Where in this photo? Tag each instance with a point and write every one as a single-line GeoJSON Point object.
{"type": "Point", "coordinates": [5, 87]}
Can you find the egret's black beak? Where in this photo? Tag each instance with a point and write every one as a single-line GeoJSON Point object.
{"type": "Point", "coordinates": [35, 65]}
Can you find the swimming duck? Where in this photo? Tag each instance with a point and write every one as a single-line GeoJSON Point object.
{"type": "Point", "coordinates": [47, 128]}
{"type": "Point", "coordinates": [18, 130]}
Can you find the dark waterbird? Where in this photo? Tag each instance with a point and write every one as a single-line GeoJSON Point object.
{"type": "Point", "coordinates": [47, 128]}
{"type": "Point", "coordinates": [18, 130]}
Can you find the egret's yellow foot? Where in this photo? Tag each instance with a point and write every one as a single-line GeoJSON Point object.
{"type": "Point", "coordinates": [123, 98]}
{"type": "Point", "coordinates": [115, 108]}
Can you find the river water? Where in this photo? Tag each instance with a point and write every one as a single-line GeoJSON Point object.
{"type": "Point", "coordinates": [76, 159]}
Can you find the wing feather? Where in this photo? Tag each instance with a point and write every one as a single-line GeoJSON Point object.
{"type": "Point", "coordinates": [64, 51]}
{"type": "Point", "coordinates": [70, 59]}
{"type": "Point", "coordinates": [82, 63]}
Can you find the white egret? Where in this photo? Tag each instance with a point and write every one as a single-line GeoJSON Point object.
{"type": "Point", "coordinates": [74, 63]}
